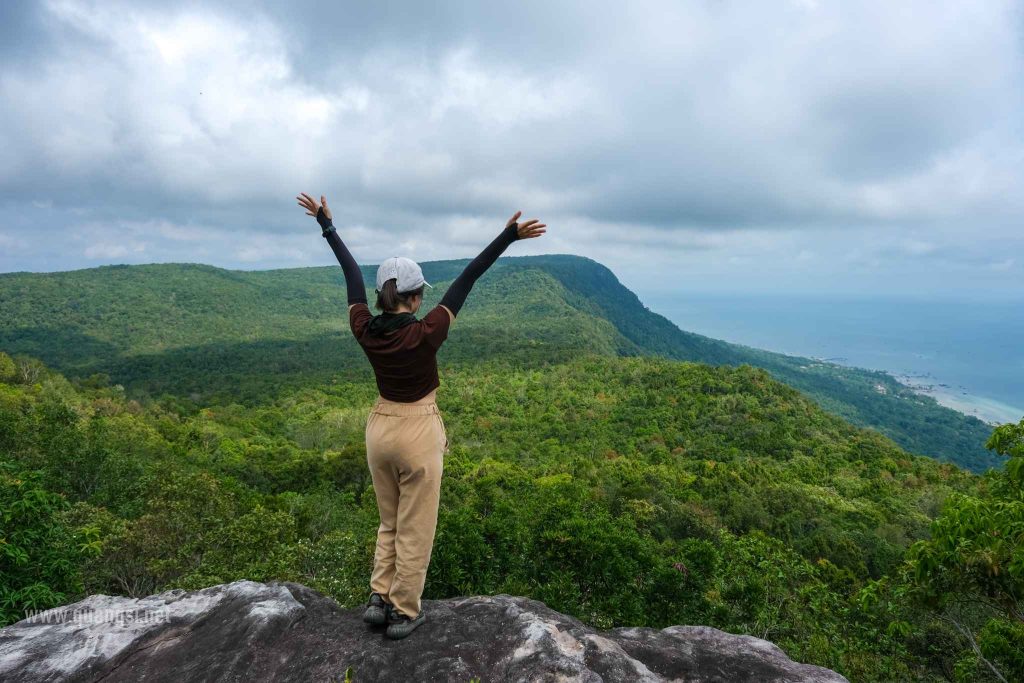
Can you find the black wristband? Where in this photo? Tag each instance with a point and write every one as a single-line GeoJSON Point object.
{"type": "Point", "coordinates": [324, 221]}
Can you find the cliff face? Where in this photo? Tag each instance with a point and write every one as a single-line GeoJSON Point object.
{"type": "Point", "coordinates": [246, 631]}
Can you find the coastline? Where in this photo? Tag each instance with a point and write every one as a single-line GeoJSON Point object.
{"type": "Point", "coordinates": [931, 348]}
{"type": "Point", "coordinates": [985, 409]}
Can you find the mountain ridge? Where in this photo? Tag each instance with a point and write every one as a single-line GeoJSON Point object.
{"type": "Point", "coordinates": [240, 316]}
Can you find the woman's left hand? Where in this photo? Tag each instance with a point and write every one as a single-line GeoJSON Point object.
{"type": "Point", "coordinates": [526, 229]}
{"type": "Point", "coordinates": [312, 207]}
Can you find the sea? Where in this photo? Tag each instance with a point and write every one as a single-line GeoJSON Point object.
{"type": "Point", "coordinates": [967, 354]}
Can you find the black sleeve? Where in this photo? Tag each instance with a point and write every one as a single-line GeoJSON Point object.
{"type": "Point", "coordinates": [459, 289]}
{"type": "Point", "coordinates": [353, 276]}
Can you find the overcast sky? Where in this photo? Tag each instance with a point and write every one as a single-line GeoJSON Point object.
{"type": "Point", "coordinates": [802, 146]}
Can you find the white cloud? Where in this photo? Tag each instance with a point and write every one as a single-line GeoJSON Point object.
{"type": "Point", "coordinates": [262, 248]}
{"type": "Point", "coordinates": [726, 136]}
{"type": "Point", "coordinates": [192, 104]}
{"type": "Point", "coordinates": [112, 251]}
{"type": "Point", "coordinates": [10, 243]}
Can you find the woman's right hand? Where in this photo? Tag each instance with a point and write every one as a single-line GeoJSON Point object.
{"type": "Point", "coordinates": [526, 229]}
{"type": "Point", "coordinates": [312, 206]}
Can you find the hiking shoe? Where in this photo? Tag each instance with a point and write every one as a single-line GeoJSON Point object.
{"type": "Point", "coordinates": [400, 625]}
{"type": "Point", "coordinates": [377, 610]}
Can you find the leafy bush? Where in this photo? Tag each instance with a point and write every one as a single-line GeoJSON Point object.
{"type": "Point", "coordinates": [40, 556]}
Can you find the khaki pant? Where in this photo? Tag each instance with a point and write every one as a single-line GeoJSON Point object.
{"type": "Point", "coordinates": [405, 446]}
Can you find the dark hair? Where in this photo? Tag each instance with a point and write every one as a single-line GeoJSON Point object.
{"type": "Point", "coordinates": [388, 299]}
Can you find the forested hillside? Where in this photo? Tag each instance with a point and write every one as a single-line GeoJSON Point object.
{"type": "Point", "coordinates": [204, 335]}
{"type": "Point", "coordinates": [624, 491]}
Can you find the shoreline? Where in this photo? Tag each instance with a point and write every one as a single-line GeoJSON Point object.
{"type": "Point", "coordinates": [876, 334]}
{"type": "Point", "coordinates": [987, 410]}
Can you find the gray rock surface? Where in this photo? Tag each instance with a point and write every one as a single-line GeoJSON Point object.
{"type": "Point", "coordinates": [246, 631]}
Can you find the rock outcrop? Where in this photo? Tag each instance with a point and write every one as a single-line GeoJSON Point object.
{"type": "Point", "coordinates": [246, 631]}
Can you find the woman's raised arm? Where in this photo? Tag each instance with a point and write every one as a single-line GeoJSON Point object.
{"type": "Point", "coordinates": [459, 289]}
{"type": "Point", "coordinates": [353, 276]}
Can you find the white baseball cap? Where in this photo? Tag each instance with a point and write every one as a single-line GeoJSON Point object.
{"type": "Point", "coordinates": [405, 271]}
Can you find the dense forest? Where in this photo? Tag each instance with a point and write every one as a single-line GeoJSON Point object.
{"type": "Point", "coordinates": [200, 426]}
{"type": "Point", "coordinates": [217, 336]}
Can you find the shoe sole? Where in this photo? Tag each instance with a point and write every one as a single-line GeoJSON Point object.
{"type": "Point", "coordinates": [378, 618]}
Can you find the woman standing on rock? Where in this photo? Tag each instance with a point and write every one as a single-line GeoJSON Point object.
{"type": "Point", "coordinates": [405, 435]}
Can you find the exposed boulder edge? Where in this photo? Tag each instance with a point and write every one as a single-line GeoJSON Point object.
{"type": "Point", "coordinates": [245, 631]}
